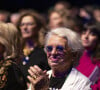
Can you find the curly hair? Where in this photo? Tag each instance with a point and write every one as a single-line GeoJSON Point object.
{"type": "Point", "coordinates": [40, 25]}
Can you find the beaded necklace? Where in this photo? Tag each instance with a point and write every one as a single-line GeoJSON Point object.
{"type": "Point", "coordinates": [27, 51]}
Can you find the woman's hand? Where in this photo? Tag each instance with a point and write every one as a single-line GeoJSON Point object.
{"type": "Point", "coordinates": [38, 78]}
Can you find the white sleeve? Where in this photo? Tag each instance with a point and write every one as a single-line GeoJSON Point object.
{"type": "Point", "coordinates": [86, 86]}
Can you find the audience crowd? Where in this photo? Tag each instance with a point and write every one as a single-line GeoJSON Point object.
{"type": "Point", "coordinates": [55, 50]}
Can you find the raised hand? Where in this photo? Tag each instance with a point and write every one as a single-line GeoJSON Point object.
{"type": "Point", "coordinates": [38, 78]}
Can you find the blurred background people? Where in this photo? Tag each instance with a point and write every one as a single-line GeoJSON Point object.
{"type": "Point", "coordinates": [4, 16]}
{"type": "Point", "coordinates": [90, 61]}
{"type": "Point", "coordinates": [63, 48]}
{"type": "Point", "coordinates": [14, 17]}
{"type": "Point", "coordinates": [55, 19]}
{"type": "Point", "coordinates": [61, 5]}
{"type": "Point", "coordinates": [63, 19]}
{"type": "Point", "coordinates": [11, 77]}
{"type": "Point", "coordinates": [86, 14]}
{"type": "Point", "coordinates": [32, 30]}
{"type": "Point", "coordinates": [96, 14]}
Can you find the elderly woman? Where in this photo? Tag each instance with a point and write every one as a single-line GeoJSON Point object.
{"type": "Point", "coordinates": [63, 48]}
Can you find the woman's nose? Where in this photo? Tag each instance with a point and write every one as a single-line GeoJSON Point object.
{"type": "Point", "coordinates": [86, 36]}
{"type": "Point", "coordinates": [25, 28]}
{"type": "Point", "coordinates": [54, 51]}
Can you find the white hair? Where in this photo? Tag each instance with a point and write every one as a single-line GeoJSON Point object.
{"type": "Point", "coordinates": [73, 39]}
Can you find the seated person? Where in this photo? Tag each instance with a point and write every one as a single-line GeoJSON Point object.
{"type": "Point", "coordinates": [63, 48]}
{"type": "Point", "coordinates": [89, 63]}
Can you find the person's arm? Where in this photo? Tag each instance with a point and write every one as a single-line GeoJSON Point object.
{"type": "Point", "coordinates": [39, 79]}
{"type": "Point", "coordinates": [96, 86]}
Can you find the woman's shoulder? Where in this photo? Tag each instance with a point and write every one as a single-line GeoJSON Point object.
{"type": "Point", "coordinates": [77, 81]}
{"type": "Point", "coordinates": [39, 49]}
{"type": "Point", "coordinates": [14, 68]}
{"type": "Point", "coordinates": [15, 76]}
{"type": "Point", "coordinates": [79, 75]}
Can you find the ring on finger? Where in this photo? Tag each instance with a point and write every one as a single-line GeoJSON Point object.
{"type": "Point", "coordinates": [34, 77]}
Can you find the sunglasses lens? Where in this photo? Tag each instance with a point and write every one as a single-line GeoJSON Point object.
{"type": "Point", "coordinates": [60, 48]}
{"type": "Point", "coordinates": [49, 48]}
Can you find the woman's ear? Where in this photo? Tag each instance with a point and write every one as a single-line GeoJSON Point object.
{"type": "Point", "coordinates": [44, 49]}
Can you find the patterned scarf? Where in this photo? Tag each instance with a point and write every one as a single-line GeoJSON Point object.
{"type": "Point", "coordinates": [4, 65]}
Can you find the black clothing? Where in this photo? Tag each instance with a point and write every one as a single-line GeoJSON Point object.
{"type": "Point", "coordinates": [37, 57]}
{"type": "Point", "coordinates": [15, 79]}
{"type": "Point", "coordinates": [56, 82]}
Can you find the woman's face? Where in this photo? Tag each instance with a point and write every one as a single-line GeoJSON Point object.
{"type": "Point", "coordinates": [60, 7]}
{"type": "Point", "coordinates": [27, 26]}
{"type": "Point", "coordinates": [89, 39]}
{"type": "Point", "coordinates": [55, 20]}
{"type": "Point", "coordinates": [56, 53]}
{"type": "Point", "coordinates": [96, 15]}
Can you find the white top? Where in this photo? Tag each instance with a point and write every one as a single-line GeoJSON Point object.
{"type": "Point", "coordinates": [75, 81]}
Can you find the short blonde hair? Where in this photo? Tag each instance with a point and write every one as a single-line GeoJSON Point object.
{"type": "Point", "coordinates": [10, 39]}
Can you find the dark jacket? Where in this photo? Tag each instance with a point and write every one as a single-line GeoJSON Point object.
{"type": "Point", "coordinates": [15, 79]}
{"type": "Point", "coordinates": [37, 57]}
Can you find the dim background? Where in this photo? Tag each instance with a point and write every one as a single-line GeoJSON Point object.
{"type": "Point", "coordinates": [40, 5]}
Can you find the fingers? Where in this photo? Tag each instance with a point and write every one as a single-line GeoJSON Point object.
{"type": "Point", "coordinates": [37, 76]}
{"type": "Point", "coordinates": [40, 70]}
{"type": "Point", "coordinates": [35, 72]}
{"type": "Point", "coordinates": [30, 79]}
